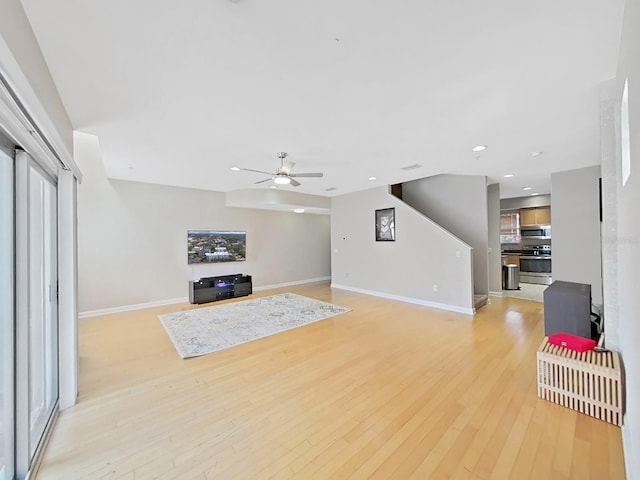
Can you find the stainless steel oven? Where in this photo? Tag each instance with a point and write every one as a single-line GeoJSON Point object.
{"type": "Point", "coordinates": [535, 265]}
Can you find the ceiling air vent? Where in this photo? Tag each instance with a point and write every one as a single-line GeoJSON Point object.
{"type": "Point", "coordinates": [411, 167]}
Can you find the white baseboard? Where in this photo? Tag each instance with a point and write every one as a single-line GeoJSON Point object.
{"type": "Point", "coordinates": [291, 284]}
{"type": "Point", "coordinates": [128, 308]}
{"type": "Point", "coordinates": [173, 301]}
{"type": "Point", "coordinates": [425, 303]}
{"type": "Point", "coordinates": [495, 294]}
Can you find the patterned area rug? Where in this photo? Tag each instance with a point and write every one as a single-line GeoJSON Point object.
{"type": "Point", "coordinates": [205, 330]}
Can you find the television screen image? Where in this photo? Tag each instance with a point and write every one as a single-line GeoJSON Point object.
{"type": "Point", "coordinates": [213, 246]}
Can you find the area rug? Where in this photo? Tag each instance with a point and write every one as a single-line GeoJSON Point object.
{"type": "Point", "coordinates": [206, 330]}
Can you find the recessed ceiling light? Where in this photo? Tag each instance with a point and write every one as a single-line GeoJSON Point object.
{"type": "Point", "coordinates": [534, 194]}
{"type": "Point", "coordinates": [536, 154]}
{"type": "Point", "coordinates": [235, 169]}
{"type": "Point", "coordinates": [298, 210]}
{"type": "Point", "coordinates": [526, 188]}
{"type": "Point", "coordinates": [508, 175]}
{"type": "Point", "coordinates": [372, 178]}
{"type": "Point", "coordinates": [479, 148]}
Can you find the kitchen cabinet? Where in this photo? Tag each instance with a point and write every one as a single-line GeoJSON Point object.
{"type": "Point", "coordinates": [543, 215]}
{"type": "Point", "coordinates": [535, 216]}
{"type": "Point", "coordinates": [527, 216]}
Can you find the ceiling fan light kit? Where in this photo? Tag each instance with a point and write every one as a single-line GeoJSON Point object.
{"type": "Point", "coordinates": [283, 175]}
{"type": "Point", "coordinates": [281, 180]}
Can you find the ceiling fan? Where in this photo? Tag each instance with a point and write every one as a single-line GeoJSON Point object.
{"type": "Point", "coordinates": [283, 175]}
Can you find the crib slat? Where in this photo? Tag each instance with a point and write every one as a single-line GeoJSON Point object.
{"type": "Point", "coordinates": [588, 382]}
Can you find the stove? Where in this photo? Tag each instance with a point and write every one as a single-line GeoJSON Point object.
{"type": "Point", "coordinates": [535, 264]}
{"type": "Point", "coordinates": [536, 250]}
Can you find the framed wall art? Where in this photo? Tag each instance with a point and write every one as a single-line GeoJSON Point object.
{"type": "Point", "coordinates": [386, 225]}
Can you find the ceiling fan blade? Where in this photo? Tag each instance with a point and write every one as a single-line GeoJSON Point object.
{"type": "Point", "coordinates": [294, 183]}
{"type": "Point", "coordinates": [308, 175]}
{"type": "Point", "coordinates": [287, 166]}
{"type": "Point", "coordinates": [256, 171]}
{"type": "Point", "coordinates": [263, 181]}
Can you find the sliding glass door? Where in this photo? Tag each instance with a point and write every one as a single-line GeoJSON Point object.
{"type": "Point", "coordinates": [36, 309]}
{"type": "Point", "coordinates": [43, 305]}
{"type": "Point", "coordinates": [30, 248]}
{"type": "Point", "coordinates": [7, 387]}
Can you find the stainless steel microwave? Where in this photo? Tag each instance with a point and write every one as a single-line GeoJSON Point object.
{"type": "Point", "coordinates": [536, 231]}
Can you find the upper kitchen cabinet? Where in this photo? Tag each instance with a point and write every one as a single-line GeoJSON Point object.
{"type": "Point", "coordinates": [535, 216]}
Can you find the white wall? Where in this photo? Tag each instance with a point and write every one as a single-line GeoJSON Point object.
{"type": "Point", "coordinates": [517, 203]}
{"type": "Point", "coordinates": [575, 216]}
{"type": "Point", "coordinates": [495, 254]}
{"type": "Point", "coordinates": [459, 204]}
{"type": "Point", "coordinates": [16, 34]}
{"type": "Point", "coordinates": [610, 293]}
{"type": "Point", "coordinates": [132, 239]}
{"type": "Point", "coordinates": [628, 240]}
{"type": "Point", "coordinates": [422, 256]}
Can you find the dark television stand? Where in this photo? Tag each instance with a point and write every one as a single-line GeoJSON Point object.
{"type": "Point", "coordinates": [210, 289]}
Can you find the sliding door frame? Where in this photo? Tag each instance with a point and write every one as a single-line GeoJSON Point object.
{"type": "Point", "coordinates": [29, 124]}
{"type": "Point", "coordinates": [28, 453]}
{"type": "Point", "coordinates": [7, 313]}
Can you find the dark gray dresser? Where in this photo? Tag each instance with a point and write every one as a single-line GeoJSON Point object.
{"type": "Point", "coordinates": [567, 308]}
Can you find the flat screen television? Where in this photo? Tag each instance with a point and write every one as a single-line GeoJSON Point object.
{"type": "Point", "coordinates": [214, 246]}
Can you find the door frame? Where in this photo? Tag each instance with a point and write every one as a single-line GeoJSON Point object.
{"type": "Point", "coordinates": [25, 459]}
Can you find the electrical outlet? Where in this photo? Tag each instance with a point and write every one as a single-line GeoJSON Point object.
{"type": "Point", "coordinates": [435, 287]}
{"type": "Point", "coordinates": [457, 253]}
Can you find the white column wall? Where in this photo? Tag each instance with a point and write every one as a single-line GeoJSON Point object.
{"type": "Point", "coordinates": [628, 236]}
{"type": "Point", "coordinates": [495, 254]}
{"type": "Point", "coordinates": [67, 299]}
{"type": "Point", "coordinates": [575, 218]}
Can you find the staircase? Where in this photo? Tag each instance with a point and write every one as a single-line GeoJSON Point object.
{"type": "Point", "coordinates": [479, 301]}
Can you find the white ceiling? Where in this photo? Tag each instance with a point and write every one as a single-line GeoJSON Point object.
{"type": "Point", "coordinates": [180, 91]}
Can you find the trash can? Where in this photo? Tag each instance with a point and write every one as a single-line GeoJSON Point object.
{"type": "Point", "coordinates": [510, 277]}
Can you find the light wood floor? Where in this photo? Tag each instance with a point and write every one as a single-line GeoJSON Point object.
{"type": "Point", "coordinates": [389, 391]}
